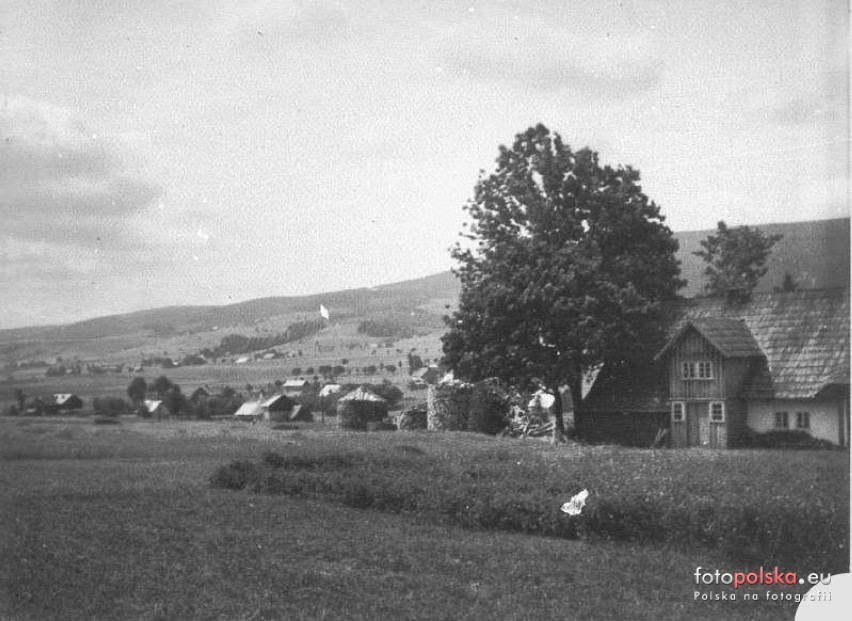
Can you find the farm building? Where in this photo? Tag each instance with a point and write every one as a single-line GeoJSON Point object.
{"type": "Point", "coordinates": [200, 393]}
{"type": "Point", "coordinates": [155, 408]}
{"type": "Point", "coordinates": [249, 410]}
{"type": "Point", "coordinates": [777, 362]}
{"type": "Point", "coordinates": [278, 408]}
{"type": "Point", "coordinates": [360, 407]}
{"type": "Point", "coordinates": [67, 401]}
{"type": "Point", "coordinates": [330, 389]}
{"type": "Point", "coordinates": [428, 375]}
{"type": "Point", "coordinates": [295, 386]}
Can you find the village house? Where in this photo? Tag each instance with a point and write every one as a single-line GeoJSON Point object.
{"type": "Point", "coordinates": [155, 408]}
{"type": "Point", "coordinates": [330, 389]}
{"type": "Point", "coordinates": [250, 410]}
{"type": "Point", "coordinates": [278, 408]}
{"type": "Point", "coordinates": [67, 401]}
{"type": "Point", "coordinates": [730, 369]}
{"type": "Point", "coordinates": [295, 386]}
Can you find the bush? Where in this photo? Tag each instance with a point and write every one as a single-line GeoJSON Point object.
{"type": "Point", "coordinates": [236, 475]}
{"type": "Point", "coordinates": [786, 439]}
{"type": "Point", "coordinates": [110, 406]}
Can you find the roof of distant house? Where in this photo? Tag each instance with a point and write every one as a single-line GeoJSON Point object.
{"type": "Point", "coordinates": [151, 405]}
{"type": "Point", "coordinates": [249, 408]}
{"type": "Point", "coordinates": [361, 394]}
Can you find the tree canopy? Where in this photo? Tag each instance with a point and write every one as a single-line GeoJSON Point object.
{"type": "Point", "coordinates": [563, 268]}
{"type": "Point", "coordinates": [137, 389]}
{"type": "Point", "coordinates": [735, 258]}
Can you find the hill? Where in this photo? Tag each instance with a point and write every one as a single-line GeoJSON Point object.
{"type": "Point", "coordinates": [816, 254]}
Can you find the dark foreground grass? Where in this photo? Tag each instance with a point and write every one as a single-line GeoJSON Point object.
{"type": "Point", "coordinates": [760, 508]}
{"type": "Point", "coordinates": [144, 540]}
{"type": "Point", "coordinates": [120, 522]}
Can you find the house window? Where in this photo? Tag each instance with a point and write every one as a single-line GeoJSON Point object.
{"type": "Point", "coordinates": [697, 370]}
{"type": "Point", "coordinates": [717, 411]}
{"type": "Point", "coordinates": [782, 420]}
{"type": "Point", "coordinates": [803, 420]}
{"type": "Point", "coordinates": [678, 412]}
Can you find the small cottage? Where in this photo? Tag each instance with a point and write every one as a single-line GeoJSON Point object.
{"type": "Point", "coordinates": [295, 386]}
{"type": "Point", "coordinates": [67, 401]}
{"type": "Point", "coordinates": [155, 408]}
{"type": "Point", "coordinates": [330, 389]}
{"type": "Point", "coordinates": [277, 408]}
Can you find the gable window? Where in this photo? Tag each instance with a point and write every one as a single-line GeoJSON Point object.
{"type": "Point", "coordinates": [782, 420]}
{"type": "Point", "coordinates": [803, 420]}
{"type": "Point", "coordinates": [678, 411]}
{"type": "Point", "coordinates": [697, 370]}
{"type": "Point", "coordinates": [717, 411]}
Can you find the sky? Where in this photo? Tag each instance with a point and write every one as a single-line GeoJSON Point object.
{"type": "Point", "coordinates": [166, 153]}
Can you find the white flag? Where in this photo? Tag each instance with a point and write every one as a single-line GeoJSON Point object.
{"type": "Point", "coordinates": [576, 504]}
{"type": "Point", "coordinates": [324, 312]}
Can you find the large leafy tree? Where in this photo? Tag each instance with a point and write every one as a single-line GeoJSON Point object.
{"type": "Point", "coordinates": [735, 258]}
{"type": "Point", "coordinates": [563, 268]}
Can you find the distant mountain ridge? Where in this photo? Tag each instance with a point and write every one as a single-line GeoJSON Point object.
{"type": "Point", "coordinates": [816, 253]}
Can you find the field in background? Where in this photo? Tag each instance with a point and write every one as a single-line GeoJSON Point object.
{"type": "Point", "coordinates": [326, 349]}
{"type": "Point", "coordinates": [120, 521]}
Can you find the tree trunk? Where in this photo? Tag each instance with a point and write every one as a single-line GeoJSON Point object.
{"type": "Point", "coordinates": [559, 419]}
{"type": "Point", "coordinates": [575, 386]}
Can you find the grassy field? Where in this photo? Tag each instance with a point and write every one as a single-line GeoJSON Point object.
{"type": "Point", "coordinates": [121, 522]}
{"type": "Point", "coordinates": [34, 383]}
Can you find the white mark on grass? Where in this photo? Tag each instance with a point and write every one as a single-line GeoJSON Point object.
{"type": "Point", "coordinates": [576, 504]}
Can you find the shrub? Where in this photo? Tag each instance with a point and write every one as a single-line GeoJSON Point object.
{"type": "Point", "coordinates": [236, 475]}
{"type": "Point", "coordinates": [784, 439]}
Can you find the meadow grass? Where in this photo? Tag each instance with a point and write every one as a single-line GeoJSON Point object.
{"type": "Point", "coordinates": [795, 511]}
{"type": "Point", "coordinates": [126, 526]}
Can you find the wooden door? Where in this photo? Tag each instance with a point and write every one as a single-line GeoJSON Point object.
{"type": "Point", "coordinates": [693, 432]}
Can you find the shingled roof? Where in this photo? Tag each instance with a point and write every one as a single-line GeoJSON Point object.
{"type": "Point", "coordinates": [802, 337]}
{"type": "Point", "coordinates": [731, 337]}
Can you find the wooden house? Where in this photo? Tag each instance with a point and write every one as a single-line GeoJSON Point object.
{"type": "Point", "coordinates": [295, 386]}
{"type": "Point", "coordinates": [155, 408]}
{"type": "Point", "coordinates": [330, 389]}
{"type": "Point", "coordinates": [67, 401]}
{"type": "Point", "coordinates": [277, 408]}
{"type": "Point", "coordinates": [200, 394]}
{"type": "Point", "coordinates": [777, 362]}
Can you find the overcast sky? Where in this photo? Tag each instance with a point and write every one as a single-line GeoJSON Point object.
{"type": "Point", "coordinates": [157, 153]}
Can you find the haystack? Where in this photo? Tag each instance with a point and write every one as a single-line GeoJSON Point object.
{"type": "Point", "coordinates": [360, 407]}
{"type": "Point", "coordinates": [447, 406]}
{"type": "Point", "coordinates": [412, 418]}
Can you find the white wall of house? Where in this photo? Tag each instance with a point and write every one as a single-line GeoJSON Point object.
{"type": "Point", "coordinates": [824, 417]}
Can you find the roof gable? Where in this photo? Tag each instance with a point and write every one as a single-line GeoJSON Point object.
{"type": "Point", "coordinates": [281, 400]}
{"type": "Point", "coordinates": [362, 394]}
{"type": "Point", "coordinates": [730, 337]}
